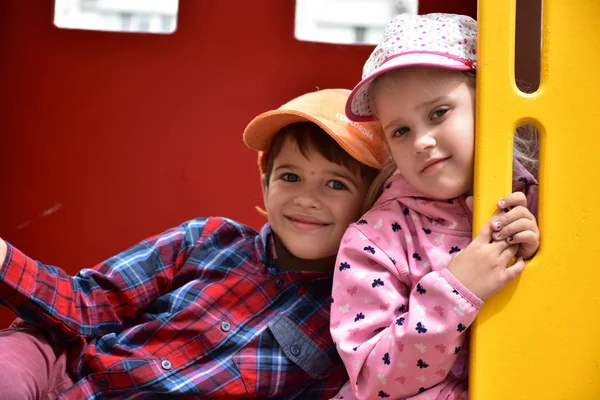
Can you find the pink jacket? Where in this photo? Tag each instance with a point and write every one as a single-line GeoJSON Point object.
{"type": "Point", "coordinates": [399, 317]}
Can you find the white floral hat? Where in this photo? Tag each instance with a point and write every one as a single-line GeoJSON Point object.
{"type": "Point", "coordinates": [433, 40]}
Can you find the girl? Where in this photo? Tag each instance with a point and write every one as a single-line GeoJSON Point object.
{"type": "Point", "coordinates": [409, 278]}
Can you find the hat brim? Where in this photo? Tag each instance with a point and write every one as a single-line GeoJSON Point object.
{"type": "Point", "coordinates": [261, 131]}
{"type": "Point", "coordinates": [358, 106]}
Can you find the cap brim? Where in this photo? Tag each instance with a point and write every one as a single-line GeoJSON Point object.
{"type": "Point", "coordinates": [261, 130]}
{"type": "Point", "coordinates": [358, 105]}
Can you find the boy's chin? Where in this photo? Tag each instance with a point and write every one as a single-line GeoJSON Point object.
{"type": "Point", "coordinates": [302, 258]}
{"type": "Point", "coordinates": [310, 254]}
{"type": "Point", "coordinates": [301, 254]}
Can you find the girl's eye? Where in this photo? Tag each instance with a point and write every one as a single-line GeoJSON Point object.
{"type": "Point", "coordinates": [400, 132]}
{"type": "Point", "coordinates": [439, 113]}
{"type": "Point", "coordinates": [336, 185]}
{"type": "Point", "coordinates": [289, 177]}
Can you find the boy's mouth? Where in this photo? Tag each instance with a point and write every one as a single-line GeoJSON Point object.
{"type": "Point", "coordinates": [305, 222]}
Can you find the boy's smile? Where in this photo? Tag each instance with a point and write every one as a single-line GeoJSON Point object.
{"type": "Point", "coordinates": [311, 201]}
{"type": "Point", "coordinates": [303, 222]}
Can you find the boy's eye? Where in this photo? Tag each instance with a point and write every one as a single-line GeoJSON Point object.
{"type": "Point", "coordinates": [439, 113]}
{"type": "Point", "coordinates": [336, 185]}
{"type": "Point", "coordinates": [289, 177]}
{"type": "Point", "coordinates": [400, 132]}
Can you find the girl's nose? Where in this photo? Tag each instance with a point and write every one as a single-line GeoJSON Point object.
{"type": "Point", "coordinates": [424, 142]}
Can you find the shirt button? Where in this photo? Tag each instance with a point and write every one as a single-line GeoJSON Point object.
{"type": "Point", "coordinates": [225, 326]}
{"type": "Point", "coordinates": [166, 364]}
{"type": "Point", "coordinates": [279, 283]}
{"type": "Point", "coordinates": [102, 382]}
{"type": "Point", "coordinates": [295, 349]}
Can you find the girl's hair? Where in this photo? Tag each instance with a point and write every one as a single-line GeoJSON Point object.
{"type": "Point", "coordinates": [525, 149]}
{"type": "Point", "coordinates": [376, 188]}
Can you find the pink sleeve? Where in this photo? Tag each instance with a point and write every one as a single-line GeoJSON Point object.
{"type": "Point", "coordinates": [525, 182]}
{"type": "Point", "coordinates": [449, 389]}
{"type": "Point", "coordinates": [395, 338]}
{"type": "Point", "coordinates": [531, 192]}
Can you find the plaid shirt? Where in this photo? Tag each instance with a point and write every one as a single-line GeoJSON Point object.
{"type": "Point", "coordinates": [201, 310]}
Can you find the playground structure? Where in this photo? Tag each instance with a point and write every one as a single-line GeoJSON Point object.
{"type": "Point", "coordinates": [538, 338]}
{"type": "Point", "coordinates": [112, 137]}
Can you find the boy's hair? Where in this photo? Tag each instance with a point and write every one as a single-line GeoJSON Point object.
{"type": "Point", "coordinates": [308, 136]}
{"type": "Point", "coordinates": [525, 148]}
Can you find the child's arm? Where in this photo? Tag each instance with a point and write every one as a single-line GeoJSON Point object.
{"type": "Point", "coordinates": [395, 336]}
{"type": "Point", "coordinates": [106, 298]}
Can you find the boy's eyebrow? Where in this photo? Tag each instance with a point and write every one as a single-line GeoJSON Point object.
{"type": "Point", "coordinates": [284, 166]}
{"type": "Point", "coordinates": [345, 174]}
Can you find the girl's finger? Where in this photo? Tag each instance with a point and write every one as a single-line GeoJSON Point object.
{"type": "Point", "coordinates": [503, 220]}
{"type": "Point", "coordinates": [525, 237]}
{"type": "Point", "coordinates": [520, 225]}
{"type": "Point", "coordinates": [469, 202]}
{"type": "Point", "coordinates": [508, 253]}
{"type": "Point", "coordinates": [513, 200]}
{"type": "Point", "coordinates": [514, 270]}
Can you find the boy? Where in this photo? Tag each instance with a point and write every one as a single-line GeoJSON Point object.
{"type": "Point", "coordinates": [210, 309]}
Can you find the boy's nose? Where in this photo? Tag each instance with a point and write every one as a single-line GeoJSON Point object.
{"type": "Point", "coordinates": [307, 200]}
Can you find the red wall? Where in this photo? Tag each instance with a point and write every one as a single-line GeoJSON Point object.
{"type": "Point", "coordinates": [108, 138]}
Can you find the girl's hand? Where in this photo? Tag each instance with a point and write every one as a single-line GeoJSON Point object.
{"type": "Point", "coordinates": [482, 267]}
{"type": "Point", "coordinates": [516, 225]}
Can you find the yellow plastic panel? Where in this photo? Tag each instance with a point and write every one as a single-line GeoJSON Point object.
{"type": "Point", "coordinates": [540, 337]}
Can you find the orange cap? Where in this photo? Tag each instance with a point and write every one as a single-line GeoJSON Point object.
{"type": "Point", "coordinates": [362, 140]}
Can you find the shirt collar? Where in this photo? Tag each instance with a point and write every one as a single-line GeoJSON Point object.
{"type": "Point", "coordinates": [265, 247]}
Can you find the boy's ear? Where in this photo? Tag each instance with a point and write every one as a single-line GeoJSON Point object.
{"type": "Point", "coordinates": [265, 188]}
